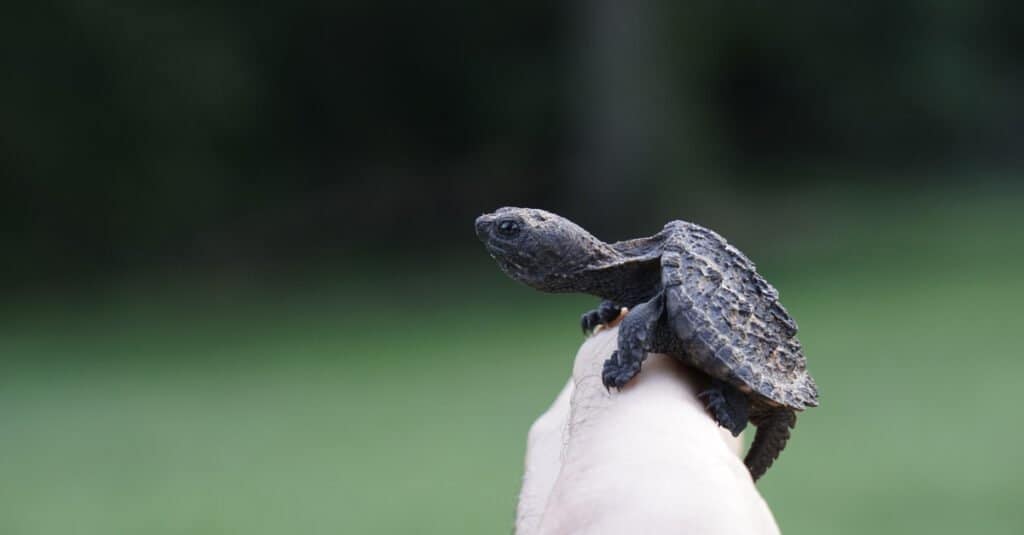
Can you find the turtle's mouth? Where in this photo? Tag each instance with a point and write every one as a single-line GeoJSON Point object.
{"type": "Point", "coordinates": [511, 264]}
{"type": "Point", "coordinates": [495, 249]}
{"type": "Point", "coordinates": [511, 267]}
{"type": "Point", "coordinates": [508, 256]}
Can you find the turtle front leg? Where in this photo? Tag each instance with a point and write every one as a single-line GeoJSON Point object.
{"type": "Point", "coordinates": [604, 314]}
{"type": "Point", "coordinates": [635, 334]}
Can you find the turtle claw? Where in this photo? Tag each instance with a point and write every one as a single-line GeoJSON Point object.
{"type": "Point", "coordinates": [604, 314]}
{"type": "Point", "coordinates": [587, 322]}
{"type": "Point", "coordinates": [617, 373]}
{"type": "Point", "coordinates": [728, 415]}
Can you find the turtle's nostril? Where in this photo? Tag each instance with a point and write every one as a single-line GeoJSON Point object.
{"type": "Point", "coordinates": [482, 224]}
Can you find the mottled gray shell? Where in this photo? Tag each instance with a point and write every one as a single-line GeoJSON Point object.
{"type": "Point", "coordinates": [737, 323]}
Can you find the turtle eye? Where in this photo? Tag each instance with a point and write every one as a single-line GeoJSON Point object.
{"type": "Point", "coordinates": [508, 228]}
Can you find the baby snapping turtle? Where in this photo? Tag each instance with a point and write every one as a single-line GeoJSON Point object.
{"type": "Point", "coordinates": [690, 295]}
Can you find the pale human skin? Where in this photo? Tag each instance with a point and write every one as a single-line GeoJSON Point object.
{"type": "Point", "coordinates": [646, 459]}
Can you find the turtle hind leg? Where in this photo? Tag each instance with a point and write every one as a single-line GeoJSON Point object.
{"type": "Point", "coordinates": [727, 405]}
{"type": "Point", "coordinates": [773, 427]}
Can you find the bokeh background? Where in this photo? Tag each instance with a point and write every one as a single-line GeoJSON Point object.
{"type": "Point", "coordinates": [242, 293]}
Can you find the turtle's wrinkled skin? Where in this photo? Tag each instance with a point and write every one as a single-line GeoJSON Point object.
{"type": "Point", "coordinates": [690, 295]}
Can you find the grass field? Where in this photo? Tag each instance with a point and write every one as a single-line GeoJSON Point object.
{"type": "Point", "coordinates": [399, 403]}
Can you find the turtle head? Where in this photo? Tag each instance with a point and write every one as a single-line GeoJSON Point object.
{"type": "Point", "coordinates": [542, 250]}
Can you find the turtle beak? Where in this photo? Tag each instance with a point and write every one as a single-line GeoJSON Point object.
{"type": "Point", "coordinates": [483, 227]}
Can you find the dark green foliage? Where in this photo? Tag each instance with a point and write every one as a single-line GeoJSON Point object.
{"type": "Point", "coordinates": [142, 135]}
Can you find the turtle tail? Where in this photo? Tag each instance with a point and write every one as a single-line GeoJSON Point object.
{"type": "Point", "coordinates": [773, 427]}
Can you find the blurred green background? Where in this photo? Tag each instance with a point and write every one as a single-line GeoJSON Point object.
{"type": "Point", "coordinates": [243, 294]}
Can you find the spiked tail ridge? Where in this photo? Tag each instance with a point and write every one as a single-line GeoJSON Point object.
{"type": "Point", "coordinates": [772, 434]}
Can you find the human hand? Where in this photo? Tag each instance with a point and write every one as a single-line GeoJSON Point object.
{"type": "Point", "coordinates": [647, 459]}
